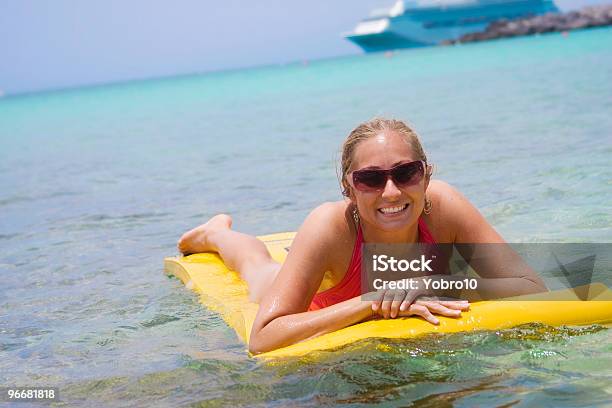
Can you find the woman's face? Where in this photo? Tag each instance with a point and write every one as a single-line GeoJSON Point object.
{"type": "Point", "coordinates": [379, 208]}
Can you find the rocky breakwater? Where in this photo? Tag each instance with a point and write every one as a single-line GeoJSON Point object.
{"type": "Point", "coordinates": [595, 16]}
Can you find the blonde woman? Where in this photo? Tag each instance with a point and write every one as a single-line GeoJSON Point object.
{"type": "Point", "coordinates": [390, 198]}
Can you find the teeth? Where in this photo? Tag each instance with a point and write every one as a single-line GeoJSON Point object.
{"type": "Point", "coordinates": [392, 210]}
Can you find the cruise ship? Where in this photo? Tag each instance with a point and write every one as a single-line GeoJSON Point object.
{"type": "Point", "coordinates": [420, 23]}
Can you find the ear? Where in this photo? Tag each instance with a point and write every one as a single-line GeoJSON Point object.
{"type": "Point", "coordinates": [349, 194]}
{"type": "Point", "coordinates": [347, 190]}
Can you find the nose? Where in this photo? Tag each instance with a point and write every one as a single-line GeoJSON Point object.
{"type": "Point", "coordinates": [391, 192]}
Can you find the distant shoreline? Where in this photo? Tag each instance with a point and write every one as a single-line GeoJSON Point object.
{"type": "Point", "coordinates": [588, 17]}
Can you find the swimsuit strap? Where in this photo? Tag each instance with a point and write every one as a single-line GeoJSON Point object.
{"type": "Point", "coordinates": [424, 234]}
{"type": "Point", "coordinates": [350, 285]}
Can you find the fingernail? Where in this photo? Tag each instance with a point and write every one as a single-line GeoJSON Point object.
{"type": "Point", "coordinates": [374, 306]}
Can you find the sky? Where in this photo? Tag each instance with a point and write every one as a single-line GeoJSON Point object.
{"type": "Point", "coordinates": [57, 44]}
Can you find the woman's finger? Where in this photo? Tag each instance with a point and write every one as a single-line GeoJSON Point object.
{"type": "Point", "coordinates": [428, 298]}
{"type": "Point", "coordinates": [408, 300]}
{"type": "Point", "coordinates": [398, 298]}
{"type": "Point", "coordinates": [456, 304]}
{"type": "Point", "coordinates": [436, 307]}
{"type": "Point", "coordinates": [378, 298]}
{"type": "Point", "coordinates": [424, 312]}
{"type": "Point", "coordinates": [385, 307]}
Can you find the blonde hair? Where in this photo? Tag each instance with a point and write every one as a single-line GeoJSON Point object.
{"type": "Point", "coordinates": [370, 129]}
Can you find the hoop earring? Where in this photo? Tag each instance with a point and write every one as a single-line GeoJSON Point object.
{"type": "Point", "coordinates": [355, 215]}
{"type": "Point", "coordinates": [428, 206]}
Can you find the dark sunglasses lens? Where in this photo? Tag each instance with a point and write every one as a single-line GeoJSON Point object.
{"type": "Point", "coordinates": [409, 173]}
{"type": "Point", "coordinates": [369, 179]}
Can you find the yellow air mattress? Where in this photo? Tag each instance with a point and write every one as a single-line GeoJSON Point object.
{"type": "Point", "coordinates": [223, 291]}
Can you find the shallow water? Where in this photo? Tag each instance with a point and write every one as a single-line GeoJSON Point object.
{"type": "Point", "coordinates": [97, 184]}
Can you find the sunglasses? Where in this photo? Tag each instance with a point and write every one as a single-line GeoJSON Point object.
{"type": "Point", "coordinates": [405, 174]}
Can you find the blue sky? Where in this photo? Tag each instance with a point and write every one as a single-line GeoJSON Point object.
{"type": "Point", "coordinates": [66, 43]}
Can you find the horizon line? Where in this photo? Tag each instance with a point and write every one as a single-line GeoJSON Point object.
{"type": "Point", "coordinates": [122, 82]}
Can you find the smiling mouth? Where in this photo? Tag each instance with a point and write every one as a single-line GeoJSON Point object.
{"type": "Point", "coordinates": [393, 210]}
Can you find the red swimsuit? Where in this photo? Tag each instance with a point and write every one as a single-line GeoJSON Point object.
{"type": "Point", "coordinates": [350, 286]}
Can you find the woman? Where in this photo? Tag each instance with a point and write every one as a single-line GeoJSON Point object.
{"type": "Point", "coordinates": [389, 199]}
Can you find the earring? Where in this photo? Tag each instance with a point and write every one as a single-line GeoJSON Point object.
{"type": "Point", "coordinates": [428, 206]}
{"type": "Point", "coordinates": [355, 215]}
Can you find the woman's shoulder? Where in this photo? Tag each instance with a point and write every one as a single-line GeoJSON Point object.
{"type": "Point", "coordinates": [448, 207]}
{"type": "Point", "coordinates": [323, 236]}
{"type": "Point", "coordinates": [332, 221]}
{"type": "Point", "coordinates": [335, 233]}
{"type": "Point", "coordinates": [454, 218]}
{"type": "Point", "coordinates": [333, 214]}
{"type": "Point", "coordinates": [440, 192]}
{"type": "Point", "coordinates": [447, 199]}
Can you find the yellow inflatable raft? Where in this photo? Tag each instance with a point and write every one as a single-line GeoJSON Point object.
{"type": "Point", "coordinates": [223, 291]}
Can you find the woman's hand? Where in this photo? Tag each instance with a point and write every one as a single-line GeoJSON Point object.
{"type": "Point", "coordinates": [427, 307]}
{"type": "Point", "coordinates": [399, 302]}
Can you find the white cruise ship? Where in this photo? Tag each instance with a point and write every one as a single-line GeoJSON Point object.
{"type": "Point", "coordinates": [429, 22]}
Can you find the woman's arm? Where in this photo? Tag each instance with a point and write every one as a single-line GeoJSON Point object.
{"type": "Point", "coordinates": [289, 329]}
{"type": "Point", "coordinates": [270, 333]}
{"type": "Point", "coordinates": [283, 319]}
{"type": "Point", "coordinates": [503, 271]}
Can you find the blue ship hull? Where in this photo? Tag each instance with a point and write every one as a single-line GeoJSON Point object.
{"type": "Point", "coordinates": [424, 25]}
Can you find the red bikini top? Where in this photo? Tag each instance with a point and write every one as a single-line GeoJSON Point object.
{"type": "Point", "coordinates": [350, 286]}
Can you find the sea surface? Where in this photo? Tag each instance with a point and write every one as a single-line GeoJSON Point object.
{"type": "Point", "coordinates": [97, 184]}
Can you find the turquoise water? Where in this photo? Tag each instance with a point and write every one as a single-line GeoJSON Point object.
{"type": "Point", "coordinates": [97, 184]}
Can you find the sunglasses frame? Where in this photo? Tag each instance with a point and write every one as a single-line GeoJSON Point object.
{"type": "Point", "coordinates": [388, 173]}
